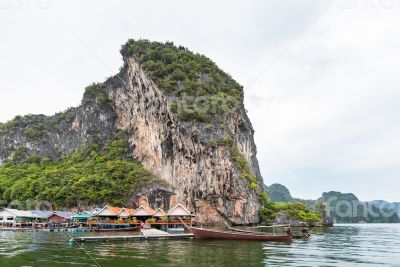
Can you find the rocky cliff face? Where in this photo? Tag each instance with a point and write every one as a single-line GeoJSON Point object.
{"type": "Point", "coordinates": [201, 175]}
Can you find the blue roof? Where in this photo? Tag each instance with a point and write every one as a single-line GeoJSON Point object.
{"type": "Point", "coordinates": [83, 214]}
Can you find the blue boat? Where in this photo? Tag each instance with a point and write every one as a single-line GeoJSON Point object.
{"type": "Point", "coordinates": [176, 229]}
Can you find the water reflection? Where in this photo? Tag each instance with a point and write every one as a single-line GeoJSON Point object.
{"type": "Point", "coordinates": [345, 245]}
{"type": "Point", "coordinates": [183, 253]}
{"type": "Point", "coordinates": [348, 245]}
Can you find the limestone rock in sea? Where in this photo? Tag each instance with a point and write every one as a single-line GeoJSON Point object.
{"type": "Point", "coordinates": [178, 152]}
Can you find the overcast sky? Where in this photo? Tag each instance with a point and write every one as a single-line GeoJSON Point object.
{"type": "Point", "coordinates": [321, 77]}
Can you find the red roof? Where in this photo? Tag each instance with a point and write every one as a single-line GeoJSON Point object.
{"type": "Point", "coordinates": [129, 210]}
{"type": "Point", "coordinates": [114, 209]}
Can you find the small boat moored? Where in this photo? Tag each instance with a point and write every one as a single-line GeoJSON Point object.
{"type": "Point", "coordinates": [176, 229]}
{"type": "Point", "coordinates": [203, 233]}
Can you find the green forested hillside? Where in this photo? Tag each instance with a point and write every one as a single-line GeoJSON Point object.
{"type": "Point", "coordinates": [296, 210]}
{"type": "Point", "coordinates": [107, 178]}
{"type": "Point", "coordinates": [279, 193]}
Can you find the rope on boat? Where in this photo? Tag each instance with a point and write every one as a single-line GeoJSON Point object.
{"type": "Point", "coordinates": [272, 226]}
{"type": "Point", "coordinates": [184, 224]}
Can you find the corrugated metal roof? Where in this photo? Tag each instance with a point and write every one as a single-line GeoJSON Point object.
{"type": "Point", "coordinates": [42, 213]}
{"type": "Point", "coordinates": [21, 213]}
{"type": "Point", "coordinates": [47, 213]}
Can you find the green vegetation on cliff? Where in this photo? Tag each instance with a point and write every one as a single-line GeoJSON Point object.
{"type": "Point", "coordinates": [243, 166]}
{"type": "Point", "coordinates": [35, 127]}
{"type": "Point", "coordinates": [279, 193]}
{"type": "Point", "coordinates": [175, 67]}
{"type": "Point", "coordinates": [110, 177]}
{"type": "Point", "coordinates": [182, 73]}
{"type": "Point", "coordinates": [96, 92]}
{"type": "Point", "coordinates": [238, 159]}
{"type": "Point", "coordinates": [294, 210]}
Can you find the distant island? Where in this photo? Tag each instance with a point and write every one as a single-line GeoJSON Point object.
{"type": "Point", "coordinates": [342, 207]}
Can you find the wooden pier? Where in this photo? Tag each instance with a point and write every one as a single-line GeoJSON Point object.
{"type": "Point", "coordinates": [26, 229]}
{"type": "Point", "coordinates": [153, 232]}
{"type": "Point", "coordinates": [146, 234]}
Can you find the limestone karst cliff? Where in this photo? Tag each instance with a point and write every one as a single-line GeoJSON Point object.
{"type": "Point", "coordinates": [206, 157]}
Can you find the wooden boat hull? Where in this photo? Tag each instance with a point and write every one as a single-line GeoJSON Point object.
{"type": "Point", "coordinates": [71, 227]}
{"type": "Point", "coordinates": [202, 233]}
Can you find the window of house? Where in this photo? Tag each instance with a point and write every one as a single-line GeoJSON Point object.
{"type": "Point", "coordinates": [10, 218]}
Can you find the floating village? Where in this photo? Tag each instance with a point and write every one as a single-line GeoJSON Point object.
{"type": "Point", "coordinates": [137, 224]}
{"type": "Point", "coordinates": [107, 218]}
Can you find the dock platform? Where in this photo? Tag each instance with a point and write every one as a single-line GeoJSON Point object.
{"type": "Point", "coordinates": [153, 232]}
{"type": "Point", "coordinates": [146, 234]}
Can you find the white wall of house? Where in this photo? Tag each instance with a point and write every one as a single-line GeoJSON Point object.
{"type": "Point", "coordinates": [7, 217]}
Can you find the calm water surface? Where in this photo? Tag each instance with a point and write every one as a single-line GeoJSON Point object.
{"type": "Point", "coordinates": [342, 245]}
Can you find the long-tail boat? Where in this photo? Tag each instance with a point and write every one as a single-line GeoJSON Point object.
{"type": "Point", "coordinates": [203, 233]}
{"type": "Point", "coordinates": [238, 234]}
